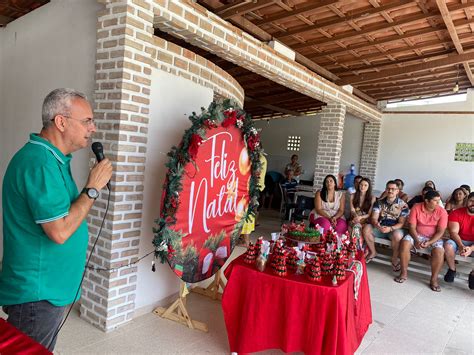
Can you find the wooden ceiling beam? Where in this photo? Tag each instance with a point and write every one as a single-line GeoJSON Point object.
{"type": "Point", "coordinates": [369, 68]}
{"type": "Point", "coordinates": [251, 28]}
{"type": "Point", "coordinates": [297, 10]}
{"type": "Point", "coordinates": [448, 21]}
{"type": "Point", "coordinates": [375, 28]}
{"type": "Point", "coordinates": [448, 82]}
{"type": "Point", "coordinates": [395, 38]}
{"type": "Point", "coordinates": [242, 10]}
{"type": "Point", "coordinates": [419, 46]}
{"type": "Point", "coordinates": [469, 73]}
{"type": "Point", "coordinates": [284, 97]}
{"type": "Point", "coordinates": [352, 15]}
{"type": "Point", "coordinates": [453, 59]}
{"type": "Point", "coordinates": [365, 31]}
{"type": "Point", "coordinates": [266, 37]}
{"type": "Point", "coordinates": [447, 86]}
{"type": "Point", "coordinates": [410, 93]}
{"type": "Point", "coordinates": [410, 77]}
{"type": "Point", "coordinates": [299, 58]}
{"type": "Point", "coordinates": [272, 107]}
{"type": "Point", "coordinates": [413, 81]}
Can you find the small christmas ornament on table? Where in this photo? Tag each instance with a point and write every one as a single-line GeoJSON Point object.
{"type": "Point", "coordinates": [327, 263]}
{"type": "Point", "coordinates": [279, 264]}
{"type": "Point", "coordinates": [250, 254]}
{"type": "Point", "coordinates": [292, 260]}
{"type": "Point", "coordinates": [312, 270]}
{"type": "Point", "coordinates": [353, 244]}
{"type": "Point", "coordinates": [340, 267]}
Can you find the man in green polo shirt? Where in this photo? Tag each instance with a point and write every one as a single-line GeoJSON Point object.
{"type": "Point", "coordinates": [44, 229]}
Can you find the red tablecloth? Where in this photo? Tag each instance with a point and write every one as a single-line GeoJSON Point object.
{"type": "Point", "coordinates": [263, 311]}
{"type": "Point", "coordinates": [12, 341]}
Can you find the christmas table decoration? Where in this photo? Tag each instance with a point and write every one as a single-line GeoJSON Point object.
{"type": "Point", "coordinates": [251, 254]}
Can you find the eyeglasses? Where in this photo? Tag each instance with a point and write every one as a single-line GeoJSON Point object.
{"type": "Point", "coordinates": [88, 122]}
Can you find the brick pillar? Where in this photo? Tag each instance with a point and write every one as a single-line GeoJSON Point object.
{"type": "Point", "coordinates": [329, 150]}
{"type": "Point", "coordinates": [370, 150]}
{"type": "Point", "coordinates": [122, 89]}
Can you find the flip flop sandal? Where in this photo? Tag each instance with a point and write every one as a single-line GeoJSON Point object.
{"type": "Point", "coordinates": [396, 267]}
{"type": "Point", "coordinates": [399, 279]}
{"type": "Point", "coordinates": [435, 288]}
{"type": "Point", "coordinates": [368, 260]}
{"type": "Point", "coordinates": [471, 281]}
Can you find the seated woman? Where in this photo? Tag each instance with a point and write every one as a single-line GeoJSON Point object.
{"type": "Point", "coordinates": [431, 184]}
{"type": "Point", "coordinates": [419, 198]}
{"type": "Point", "coordinates": [361, 203]}
{"type": "Point", "coordinates": [456, 200]}
{"type": "Point", "coordinates": [361, 208]}
{"type": "Point", "coordinates": [329, 207]}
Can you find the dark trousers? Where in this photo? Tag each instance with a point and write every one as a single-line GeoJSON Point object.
{"type": "Point", "coordinates": [39, 320]}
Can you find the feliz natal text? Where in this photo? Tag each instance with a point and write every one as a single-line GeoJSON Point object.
{"type": "Point", "coordinates": [221, 171]}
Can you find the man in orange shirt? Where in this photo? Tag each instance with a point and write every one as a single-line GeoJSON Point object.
{"type": "Point", "coordinates": [427, 222]}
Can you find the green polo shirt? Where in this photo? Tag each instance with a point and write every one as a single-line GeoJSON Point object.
{"type": "Point", "coordinates": [37, 188]}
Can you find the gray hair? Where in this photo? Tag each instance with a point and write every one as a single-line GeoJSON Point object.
{"type": "Point", "coordinates": [58, 102]}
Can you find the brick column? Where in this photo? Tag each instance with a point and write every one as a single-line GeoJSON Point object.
{"type": "Point", "coordinates": [329, 150]}
{"type": "Point", "coordinates": [122, 89]}
{"type": "Point", "coordinates": [370, 150]}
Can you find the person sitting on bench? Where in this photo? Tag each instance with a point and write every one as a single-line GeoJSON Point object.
{"type": "Point", "coordinates": [456, 200]}
{"type": "Point", "coordinates": [386, 221]}
{"type": "Point", "coordinates": [461, 231]}
{"type": "Point", "coordinates": [419, 198]}
{"type": "Point", "coordinates": [427, 222]}
{"type": "Point", "coordinates": [329, 205]}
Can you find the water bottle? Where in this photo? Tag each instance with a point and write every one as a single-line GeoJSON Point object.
{"type": "Point", "coordinates": [349, 178]}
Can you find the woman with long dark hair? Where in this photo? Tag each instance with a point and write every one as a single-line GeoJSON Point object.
{"type": "Point", "coordinates": [329, 207]}
{"type": "Point", "coordinates": [361, 203]}
{"type": "Point", "coordinates": [456, 200]}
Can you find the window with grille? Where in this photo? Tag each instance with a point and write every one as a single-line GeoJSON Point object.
{"type": "Point", "coordinates": [293, 143]}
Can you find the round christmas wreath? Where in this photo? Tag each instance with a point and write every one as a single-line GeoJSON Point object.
{"type": "Point", "coordinates": [225, 113]}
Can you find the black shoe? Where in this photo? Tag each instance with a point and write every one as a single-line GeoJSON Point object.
{"type": "Point", "coordinates": [450, 275]}
{"type": "Point", "coordinates": [471, 281]}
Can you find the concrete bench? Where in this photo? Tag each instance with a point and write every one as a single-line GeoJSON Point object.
{"type": "Point", "coordinates": [463, 268]}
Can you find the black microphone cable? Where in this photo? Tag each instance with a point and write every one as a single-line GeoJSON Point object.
{"type": "Point", "coordinates": [85, 270]}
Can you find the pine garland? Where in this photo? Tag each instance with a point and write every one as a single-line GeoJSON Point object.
{"type": "Point", "coordinates": [226, 112]}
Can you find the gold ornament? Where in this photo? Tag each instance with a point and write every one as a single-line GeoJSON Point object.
{"type": "Point", "coordinates": [244, 161]}
{"type": "Point", "coordinates": [241, 208]}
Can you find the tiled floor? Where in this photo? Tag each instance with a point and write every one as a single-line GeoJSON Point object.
{"type": "Point", "coordinates": [409, 318]}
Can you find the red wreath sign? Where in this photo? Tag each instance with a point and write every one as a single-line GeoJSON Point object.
{"type": "Point", "coordinates": [214, 197]}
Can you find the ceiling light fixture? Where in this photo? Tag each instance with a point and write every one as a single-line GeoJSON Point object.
{"type": "Point", "coordinates": [456, 86]}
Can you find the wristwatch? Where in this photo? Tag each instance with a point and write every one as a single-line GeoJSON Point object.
{"type": "Point", "coordinates": [90, 192]}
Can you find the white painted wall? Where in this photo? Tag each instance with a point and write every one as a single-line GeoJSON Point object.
{"type": "Point", "coordinates": [351, 143]}
{"type": "Point", "coordinates": [275, 134]}
{"type": "Point", "coordinates": [420, 147]}
{"type": "Point", "coordinates": [52, 46]}
{"type": "Point", "coordinates": [173, 100]}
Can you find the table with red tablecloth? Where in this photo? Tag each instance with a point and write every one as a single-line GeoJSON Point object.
{"type": "Point", "coordinates": [12, 341]}
{"type": "Point", "coordinates": [263, 311]}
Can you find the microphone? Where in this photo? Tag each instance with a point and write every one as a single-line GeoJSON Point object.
{"type": "Point", "coordinates": [98, 150]}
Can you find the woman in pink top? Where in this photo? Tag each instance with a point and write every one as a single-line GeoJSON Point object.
{"type": "Point", "coordinates": [329, 207]}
